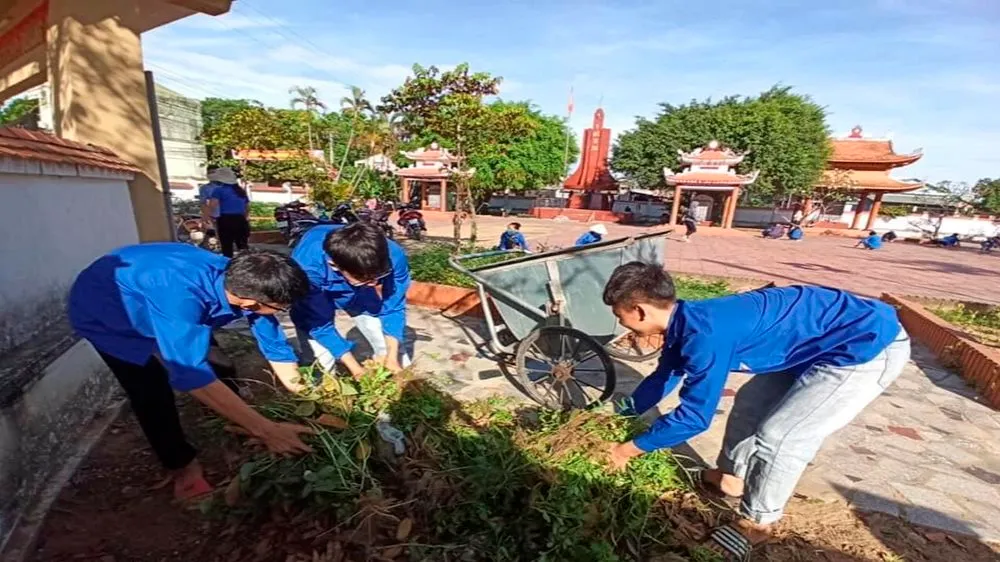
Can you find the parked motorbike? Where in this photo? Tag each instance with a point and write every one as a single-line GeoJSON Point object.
{"type": "Point", "coordinates": [412, 221]}
{"type": "Point", "coordinates": [987, 246]}
{"type": "Point", "coordinates": [189, 230]}
{"type": "Point", "coordinates": [379, 216]}
{"type": "Point", "coordinates": [295, 219]}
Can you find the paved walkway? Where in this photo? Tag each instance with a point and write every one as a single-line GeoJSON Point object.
{"type": "Point", "coordinates": [927, 450]}
{"type": "Point", "coordinates": [902, 268]}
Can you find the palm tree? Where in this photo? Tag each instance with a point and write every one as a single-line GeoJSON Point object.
{"type": "Point", "coordinates": [306, 97]}
{"type": "Point", "coordinates": [355, 104]}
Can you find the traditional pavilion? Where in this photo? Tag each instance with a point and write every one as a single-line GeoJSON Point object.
{"type": "Point", "coordinates": [862, 166]}
{"type": "Point", "coordinates": [591, 185]}
{"type": "Point", "coordinates": [432, 167]}
{"type": "Point", "coordinates": [709, 169]}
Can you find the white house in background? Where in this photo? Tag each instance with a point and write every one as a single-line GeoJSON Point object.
{"type": "Point", "coordinates": [62, 205]}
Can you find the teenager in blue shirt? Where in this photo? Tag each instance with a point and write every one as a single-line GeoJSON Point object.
{"type": "Point", "coordinates": [230, 204]}
{"type": "Point", "coordinates": [149, 311]}
{"type": "Point", "coordinates": [353, 268]}
{"type": "Point", "coordinates": [593, 235]}
{"type": "Point", "coordinates": [512, 239]}
{"type": "Point", "coordinates": [823, 354]}
{"type": "Point", "coordinates": [871, 242]}
{"type": "Point", "coordinates": [795, 232]}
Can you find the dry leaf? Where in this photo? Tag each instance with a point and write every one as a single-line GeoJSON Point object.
{"type": "Point", "coordinates": [161, 484]}
{"type": "Point", "coordinates": [403, 531]}
{"type": "Point", "coordinates": [392, 552]}
{"type": "Point", "coordinates": [936, 537]}
{"type": "Point", "coordinates": [363, 451]}
{"type": "Point", "coordinates": [330, 420]}
{"type": "Point", "coordinates": [232, 493]}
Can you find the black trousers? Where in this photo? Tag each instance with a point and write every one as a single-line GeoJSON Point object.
{"type": "Point", "coordinates": [152, 400]}
{"type": "Point", "coordinates": [234, 230]}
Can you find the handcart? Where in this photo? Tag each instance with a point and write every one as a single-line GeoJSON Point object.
{"type": "Point", "coordinates": [553, 318]}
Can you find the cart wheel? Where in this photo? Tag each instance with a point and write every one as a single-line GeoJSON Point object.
{"type": "Point", "coordinates": [633, 347]}
{"type": "Point", "coordinates": [563, 368]}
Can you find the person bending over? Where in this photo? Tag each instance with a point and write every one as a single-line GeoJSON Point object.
{"type": "Point", "coordinates": [822, 355]}
{"type": "Point", "coordinates": [149, 311]}
{"type": "Point", "coordinates": [353, 268]}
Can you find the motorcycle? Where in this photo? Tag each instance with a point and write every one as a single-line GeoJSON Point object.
{"type": "Point", "coordinates": [379, 216]}
{"type": "Point", "coordinates": [295, 219]}
{"type": "Point", "coordinates": [412, 221]}
{"type": "Point", "coordinates": [189, 230]}
{"type": "Point", "coordinates": [987, 246]}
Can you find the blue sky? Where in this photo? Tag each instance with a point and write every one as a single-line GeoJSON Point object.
{"type": "Point", "coordinates": [925, 73]}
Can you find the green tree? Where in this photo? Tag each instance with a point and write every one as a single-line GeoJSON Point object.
{"type": "Point", "coordinates": [449, 105]}
{"type": "Point", "coordinates": [16, 109]}
{"type": "Point", "coordinates": [357, 106]}
{"type": "Point", "coordinates": [987, 194]}
{"type": "Point", "coordinates": [307, 98]}
{"type": "Point", "coordinates": [213, 112]}
{"type": "Point", "coordinates": [785, 134]}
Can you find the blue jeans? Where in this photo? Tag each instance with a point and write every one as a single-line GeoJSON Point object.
{"type": "Point", "coordinates": [779, 422]}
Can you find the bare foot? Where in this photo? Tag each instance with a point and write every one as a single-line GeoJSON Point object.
{"type": "Point", "coordinates": [726, 483]}
{"type": "Point", "coordinates": [190, 483]}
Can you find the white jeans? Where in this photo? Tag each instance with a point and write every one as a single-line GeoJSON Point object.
{"type": "Point", "coordinates": [370, 327]}
{"type": "Point", "coordinates": [779, 422]}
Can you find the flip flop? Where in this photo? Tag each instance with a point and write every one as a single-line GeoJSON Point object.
{"type": "Point", "coordinates": [703, 485]}
{"type": "Point", "coordinates": [735, 546]}
{"type": "Point", "coordinates": [192, 491]}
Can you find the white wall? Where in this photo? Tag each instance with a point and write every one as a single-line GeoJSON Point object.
{"type": "Point", "coordinates": [757, 216]}
{"type": "Point", "coordinates": [912, 226]}
{"type": "Point", "coordinates": [54, 227]}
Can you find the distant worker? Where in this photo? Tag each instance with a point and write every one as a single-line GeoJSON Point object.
{"type": "Point", "coordinates": [229, 203]}
{"type": "Point", "coordinates": [690, 224]}
{"type": "Point", "coordinates": [775, 232]}
{"type": "Point", "coordinates": [592, 236]}
{"type": "Point", "coordinates": [871, 242]}
{"type": "Point", "coordinates": [797, 216]}
{"type": "Point", "coordinates": [795, 232]}
{"type": "Point", "coordinates": [512, 239]}
{"type": "Point", "coordinates": [889, 236]}
{"type": "Point", "coordinates": [950, 241]}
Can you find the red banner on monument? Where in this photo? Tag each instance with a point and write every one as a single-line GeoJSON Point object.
{"type": "Point", "coordinates": [25, 35]}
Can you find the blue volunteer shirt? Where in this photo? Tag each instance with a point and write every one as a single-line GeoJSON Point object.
{"type": "Point", "coordinates": [787, 329]}
{"type": "Point", "coordinates": [205, 193]}
{"type": "Point", "coordinates": [329, 291]}
{"type": "Point", "coordinates": [230, 202]}
{"type": "Point", "coordinates": [164, 297]}
{"type": "Point", "coordinates": [873, 242]}
{"type": "Point", "coordinates": [587, 238]}
{"type": "Point", "coordinates": [512, 239]}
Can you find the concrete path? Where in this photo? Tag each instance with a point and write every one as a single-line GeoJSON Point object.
{"type": "Point", "coordinates": [902, 268]}
{"type": "Point", "coordinates": [927, 450]}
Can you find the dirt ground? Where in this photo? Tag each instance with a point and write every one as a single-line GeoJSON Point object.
{"type": "Point", "coordinates": [119, 508]}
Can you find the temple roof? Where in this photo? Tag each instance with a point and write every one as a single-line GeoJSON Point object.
{"type": "Point", "coordinates": [861, 180]}
{"type": "Point", "coordinates": [709, 179]}
{"type": "Point", "coordinates": [857, 150]}
{"type": "Point", "coordinates": [433, 153]}
{"type": "Point", "coordinates": [430, 172]}
{"type": "Point", "coordinates": [713, 153]}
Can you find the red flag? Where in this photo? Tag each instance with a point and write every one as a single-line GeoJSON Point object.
{"type": "Point", "coordinates": [569, 106]}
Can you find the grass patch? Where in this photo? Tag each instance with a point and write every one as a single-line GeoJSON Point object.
{"type": "Point", "coordinates": [478, 481]}
{"type": "Point", "coordinates": [695, 289]}
{"type": "Point", "coordinates": [984, 324]}
{"type": "Point", "coordinates": [430, 265]}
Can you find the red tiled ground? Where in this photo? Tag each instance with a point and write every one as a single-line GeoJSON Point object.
{"type": "Point", "coordinates": [901, 268]}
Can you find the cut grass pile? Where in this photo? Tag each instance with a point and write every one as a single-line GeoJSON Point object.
{"type": "Point", "coordinates": [984, 324]}
{"type": "Point", "coordinates": [478, 481]}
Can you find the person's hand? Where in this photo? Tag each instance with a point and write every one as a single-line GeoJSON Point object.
{"type": "Point", "coordinates": [283, 438]}
{"type": "Point", "coordinates": [392, 364]}
{"type": "Point", "coordinates": [620, 453]}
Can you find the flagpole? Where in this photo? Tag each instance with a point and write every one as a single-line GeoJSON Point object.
{"type": "Point", "coordinates": [569, 115]}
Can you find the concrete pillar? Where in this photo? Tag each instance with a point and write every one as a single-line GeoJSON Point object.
{"type": "Point", "coordinates": [873, 214]}
{"type": "Point", "coordinates": [726, 202]}
{"type": "Point", "coordinates": [423, 195]}
{"type": "Point", "coordinates": [444, 196]}
{"type": "Point", "coordinates": [856, 221]}
{"type": "Point", "coordinates": [733, 202]}
{"type": "Point", "coordinates": [404, 192]}
{"type": "Point", "coordinates": [98, 89]}
{"type": "Point", "coordinates": [677, 205]}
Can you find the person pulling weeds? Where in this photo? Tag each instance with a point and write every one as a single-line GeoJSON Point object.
{"type": "Point", "coordinates": [824, 355]}
{"type": "Point", "coordinates": [353, 268]}
{"type": "Point", "coordinates": [149, 311]}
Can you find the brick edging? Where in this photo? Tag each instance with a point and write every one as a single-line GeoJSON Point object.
{"type": "Point", "coordinates": [978, 364]}
{"type": "Point", "coordinates": [449, 300]}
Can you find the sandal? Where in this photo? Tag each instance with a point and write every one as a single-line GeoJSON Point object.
{"type": "Point", "coordinates": [735, 547]}
{"type": "Point", "coordinates": [710, 489]}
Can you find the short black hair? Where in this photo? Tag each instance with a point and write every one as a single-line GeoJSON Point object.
{"type": "Point", "coordinates": [516, 225]}
{"type": "Point", "coordinates": [266, 277]}
{"type": "Point", "coordinates": [359, 249]}
{"type": "Point", "coordinates": [872, 233]}
{"type": "Point", "coordinates": [637, 283]}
